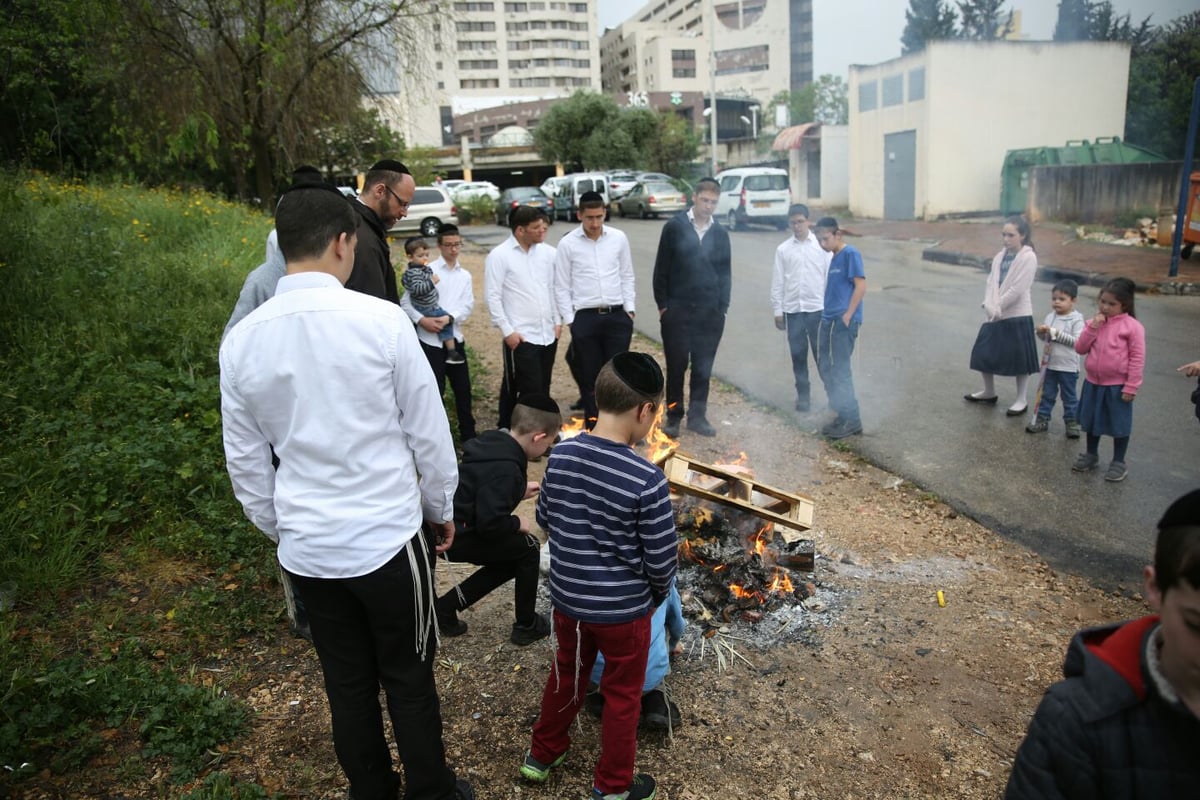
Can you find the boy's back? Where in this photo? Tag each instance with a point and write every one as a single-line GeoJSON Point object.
{"type": "Point", "coordinates": [491, 483]}
{"type": "Point", "coordinates": [613, 545]}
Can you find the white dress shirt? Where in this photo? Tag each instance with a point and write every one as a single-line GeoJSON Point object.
{"type": "Point", "coordinates": [335, 382]}
{"type": "Point", "coordinates": [699, 229]}
{"type": "Point", "coordinates": [518, 285]}
{"type": "Point", "coordinates": [798, 280]}
{"type": "Point", "coordinates": [589, 274]}
{"type": "Point", "coordinates": [456, 296]}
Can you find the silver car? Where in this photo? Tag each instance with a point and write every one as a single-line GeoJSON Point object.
{"type": "Point", "coordinates": [651, 199]}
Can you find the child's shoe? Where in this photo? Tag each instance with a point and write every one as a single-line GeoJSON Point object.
{"type": "Point", "coordinates": [642, 787]}
{"type": "Point", "coordinates": [525, 635]}
{"type": "Point", "coordinates": [1116, 472]}
{"type": "Point", "coordinates": [1073, 430]}
{"type": "Point", "coordinates": [1086, 462]}
{"type": "Point", "coordinates": [455, 356]}
{"type": "Point", "coordinates": [1039, 425]}
{"type": "Point", "coordinates": [536, 771]}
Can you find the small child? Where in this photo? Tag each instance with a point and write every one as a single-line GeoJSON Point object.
{"type": "Point", "coordinates": [1125, 722]}
{"type": "Point", "coordinates": [613, 551]}
{"type": "Point", "coordinates": [1060, 361]}
{"type": "Point", "coordinates": [421, 285]}
{"type": "Point", "coordinates": [491, 483]}
{"type": "Point", "coordinates": [1115, 343]}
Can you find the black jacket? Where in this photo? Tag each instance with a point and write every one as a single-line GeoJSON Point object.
{"type": "Point", "coordinates": [1105, 731]}
{"type": "Point", "coordinates": [691, 272]}
{"type": "Point", "coordinates": [491, 483]}
{"type": "Point", "coordinates": [373, 273]}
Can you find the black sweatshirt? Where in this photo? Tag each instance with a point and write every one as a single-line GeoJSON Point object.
{"type": "Point", "coordinates": [491, 483]}
{"type": "Point", "coordinates": [691, 272]}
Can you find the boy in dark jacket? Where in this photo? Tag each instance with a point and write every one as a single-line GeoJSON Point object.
{"type": "Point", "coordinates": [1126, 721]}
{"type": "Point", "coordinates": [491, 483]}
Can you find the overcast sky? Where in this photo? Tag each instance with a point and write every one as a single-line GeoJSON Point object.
{"type": "Point", "coordinates": [840, 38]}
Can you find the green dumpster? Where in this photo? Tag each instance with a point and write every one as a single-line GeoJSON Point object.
{"type": "Point", "coordinates": [1014, 175]}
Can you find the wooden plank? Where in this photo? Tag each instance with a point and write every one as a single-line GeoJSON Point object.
{"type": "Point", "coordinates": [793, 512]}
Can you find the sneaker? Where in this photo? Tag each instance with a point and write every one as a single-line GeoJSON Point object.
{"type": "Point", "coordinates": [455, 356]}
{"type": "Point", "coordinates": [659, 712]}
{"type": "Point", "coordinates": [1116, 472]}
{"type": "Point", "coordinates": [840, 430]}
{"type": "Point", "coordinates": [670, 427]}
{"type": "Point", "coordinates": [536, 771]}
{"type": "Point", "coordinates": [1039, 425]}
{"type": "Point", "coordinates": [642, 787]}
{"type": "Point", "coordinates": [524, 635]}
{"type": "Point", "coordinates": [1085, 462]}
{"type": "Point", "coordinates": [1073, 429]}
{"type": "Point", "coordinates": [451, 625]}
{"type": "Point", "coordinates": [802, 406]}
{"type": "Point", "coordinates": [701, 426]}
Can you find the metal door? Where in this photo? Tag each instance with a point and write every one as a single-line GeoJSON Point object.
{"type": "Point", "coordinates": [900, 175]}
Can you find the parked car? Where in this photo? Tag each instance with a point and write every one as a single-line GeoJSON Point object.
{"type": "Point", "coordinates": [451, 185]}
{"type": "Point", "coordinates": [566, 201]}
{"type": "Point", "coordinates": [431, 208]}
{"type": "Point", "coordinates": [512, 199]}
{"type": "Point", "coordinates": [754, 194]}
{"type": "Point", "coordinates": [651, 199]}
{"type": "Point", "coordinates": [468, 189]}
{"type": "Point", "coordinates": [620, 182]}
{"type": "Point", "coordinates": [647, 177]}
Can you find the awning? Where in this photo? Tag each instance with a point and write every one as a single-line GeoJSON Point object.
{"type": "Point", "coordinates": [792, 138]}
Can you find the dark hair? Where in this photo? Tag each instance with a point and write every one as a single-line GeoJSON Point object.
{"type": "Point", "coordinates": [1023, 229]}
{"type": "Point", "coordinates": [798, 209]}
{"type": "Point", "coordinates": [413, 244]}
{"type": "Point", "coordinates": [706, 185]}
{"type": "Point", "coordinates": [1177, 550]}
{"type": "Point", "coordinates": [306, 173]}
{"type": "Point", "coordinates": [615, 396]}
{"type": "Point", "coordinates": [527, 419]}
{"type": "Point", "coordinates": [589, 200]}
{"type": "Point", "coordinates": [525, 216]}
{"type": "Point", "coordinates": [828, 223]}
{"type": "Point", "coordinates": [1068, 287]}
{"type": "Point", "coordinates": [387, 172]}
{"type": "Point", "coordinates": [1122, 290]}
{"type": "Point", "coordinates": [309, 217]}
{"type": "Point", "coordinates": [447, 230]}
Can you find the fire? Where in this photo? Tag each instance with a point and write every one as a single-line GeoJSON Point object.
{"type": "Point", "coordinates": [740, 593]}
{"type": "Point", "coordinates": [781, 583]}
{"type": "Point", "coordinates": [572, 428]}
{"type": "Point", "coordinates": [659, 446]}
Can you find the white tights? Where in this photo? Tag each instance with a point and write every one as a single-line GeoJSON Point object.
{"type": "Point", "coordinates": [989, 389]}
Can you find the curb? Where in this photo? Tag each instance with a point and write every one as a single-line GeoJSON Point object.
{"type": "Point", "coordinates": [1050, 274]}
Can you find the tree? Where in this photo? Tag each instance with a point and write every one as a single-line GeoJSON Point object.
{"type": "Point", "coordinates": [926, 21]}
{"type": "Point", "coordinates": [675, 145]}
{"type": "Point", "coordinates": [1161, 77]}
{"type": "Point", "coordinates": [983, 20]}
{"type": "Point", "coordinates": [825, 100]}
{"type": "Point", "coordinates": [1092, 20]}
{"type": "Point", "coordinates": [562, 134]}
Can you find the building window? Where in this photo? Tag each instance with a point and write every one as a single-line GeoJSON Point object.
{"type": "Point", "coordinates": [916, 84]}
{"type": "Point", "coordinates": [683, 55]}
{"type": "Point", "coordinates": [868, 96]}
{"type": "Point", "coordinates": [467, 44]}
{"type": "Point", "coordinates": [474, 6]}
{"type": "Point", "coordinates": [479, 83]}
{"type": "Point", "coordinates": [683, 72]}
{"type": "Point", "coordinates": [478, 63]}
{"type": "Point", "coordinates": [475, 27]}
{"type": "Point", "coordinates": [743, 59]}
{"type": "Point", "coordinates": [578, 8]}
{"type": "Point", "coordinates": [893, 90]}
{"type": "Point", "coordinates": [516, 8]}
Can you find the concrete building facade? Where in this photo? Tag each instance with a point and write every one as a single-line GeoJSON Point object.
{"type": "Point", "coordinates": [929, 131]}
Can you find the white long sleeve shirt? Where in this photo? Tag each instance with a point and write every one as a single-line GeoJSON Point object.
{"type": "Point", "coordinates": [518, 285]}
{"type": "Point", "coordinates": [798, 279]}
{"type": "Point", "coordinates": [592, 273]}
{"type": "Point", "coordinates": [456, 296]}
{"type": "Point", "coordinates": [335, 382]}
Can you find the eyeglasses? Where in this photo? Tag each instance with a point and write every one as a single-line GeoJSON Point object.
{"type": "Point", "coordinates": [404, 204]}
{"type": "Point", "coordinates": [1006, 234]}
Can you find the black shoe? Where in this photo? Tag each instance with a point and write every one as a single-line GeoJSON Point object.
{"type": "Point", "coordinates": [593, 701]}
{"type": "Point", "coordinates": [991, 401]}
{"type": "Point", "coordinates": [463, 790]}
{"type": "Point", "coordinates": [525, 635]}
{"type": "Point", "coordinates": [455, 356]}
{"type": "Point", "coordinates": [659, 711]}
{"type": "Point", "coordinates": [670, 427]}
{"type": "Point", "coordinates": [701, 426]}
{"type": "Point", "coordinates": [642, 787]}
{"type": "Point", "coordinates": [842, 430]}
{"type": "Point", "coordinates": [451, 625]}
{"type": "Point", "coordinates": [802, 406]}
{"type": "Point", "coordinates": [1016, 412]}
{"type": "Point", "coordinates": [577, 405]}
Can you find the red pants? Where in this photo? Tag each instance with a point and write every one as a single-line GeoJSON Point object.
{"type": "Point", "coordinates": [625, 646]}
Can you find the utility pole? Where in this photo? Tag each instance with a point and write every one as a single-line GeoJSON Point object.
{"type": "Point", "coordinates": [712, 83]}
{"type": "Point", "coordinates": [1189, 150]}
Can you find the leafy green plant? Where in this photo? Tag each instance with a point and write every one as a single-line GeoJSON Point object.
{"type": "Point", "coordinates": [476, 210]}
{"type": "Point", "coordinates": [221, 786]}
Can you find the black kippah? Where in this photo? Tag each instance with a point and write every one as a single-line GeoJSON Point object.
{"type": "Point", "coordinates": [311, 184]}
{"type": "Point", "coordinates": [591, 197]}
{"type": "Point", "coordinates": [1184, 511]}
{"type": "Point", "coordinates": [541, 402]}
{"type": "Point", "coordinates": [639, 372]}
{"type": "Point", "coordinates": [390, 165]}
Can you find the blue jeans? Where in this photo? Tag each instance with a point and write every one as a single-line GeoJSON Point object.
{"type": "Point", "coordinates": [446, 333]}
{"type": "Point", "coordinates": [803, 330]}
{"type": "Point", "coordinates": [835, 347]}
{"type": "Point", "coordinates": [1055, 383]}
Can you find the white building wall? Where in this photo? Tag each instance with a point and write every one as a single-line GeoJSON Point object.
{"type": "Point", "coordinates": [981, 100]}
{"type": "Point", "coordinates": [835, 166]}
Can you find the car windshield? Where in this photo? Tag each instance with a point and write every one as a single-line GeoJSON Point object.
{"type": "Point", "coordinates": [661, 188]}
{"type": "Point", "coordinates": [762, 183]}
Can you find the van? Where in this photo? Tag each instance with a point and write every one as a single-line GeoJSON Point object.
{"type": "Point", "coordinates": [753, 194]}
{"type": "Point", "coordinates": [566, 199]}
{"type": "Point", "coordinates": [430, 209]}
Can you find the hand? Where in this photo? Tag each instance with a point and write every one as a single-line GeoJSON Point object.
{"type": "Point", "coordinates": [1042, 330]}
{"type": "Point", "coordinates": [522, 525]}
{"type": "Point", "coordinates": [661, 311]}
{"type": "Point", "coordinates": [557, 331]}
{"type": "Point", "coordinates": [434, 324]}
{"type": "Point", "coordinates": [779, 324]}
{"type": "Point", "coordinates": [1191, 370]}
{"type": "Point", "coordinates": [677, 649]}
{"type": "Point", "coordinates": [846, 318]}
{"type": "Point", "coordinates": [1127, 397]}
{"type": "Point", "coordinates": [531, 489]}
{"type": "Point", "coordinates": [512, 340]}
{"type": "Point", "coordinates": [1097, 320]}
{"type": "Point", "coordinates": [631, 314]}
{"type": "Point", "coordinates": [443, 535]}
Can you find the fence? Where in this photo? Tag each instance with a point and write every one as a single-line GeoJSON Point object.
{"type": "Point", "coordinates": [1101, 193]}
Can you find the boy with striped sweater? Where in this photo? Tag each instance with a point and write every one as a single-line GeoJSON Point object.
{"type": "Point", "coordinates": [613, 550]}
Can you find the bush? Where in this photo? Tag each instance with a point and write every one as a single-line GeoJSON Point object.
{"type": "Point", "coordinates": [477, 210]}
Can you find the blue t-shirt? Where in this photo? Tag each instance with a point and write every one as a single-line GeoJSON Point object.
{"type": "Point", "coordinates": [839, 284]}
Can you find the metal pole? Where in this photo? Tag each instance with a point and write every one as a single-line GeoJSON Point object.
{"type": "Point", "coordinates": [712, 84]}
{"type": "Point", "coordinates": [1189, 150]}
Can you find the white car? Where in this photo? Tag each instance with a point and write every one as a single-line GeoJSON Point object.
{"type": "Point", "coordinates": [754, 194]}
{"type": "Point", "coordinates": [469, 189]}
{"type": "Point", "coordinates": [431, 208]}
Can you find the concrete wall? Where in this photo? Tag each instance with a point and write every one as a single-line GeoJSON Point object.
{"type": "Point", "coordinates": [835, 166]}
{"type": "Point", "coordinates": [982, 99]}
{"type": "Point", "coordinates": [1101, 192]}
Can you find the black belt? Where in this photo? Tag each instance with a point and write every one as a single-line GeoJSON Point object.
{"type": "Point", "coordinates": [601, 309]}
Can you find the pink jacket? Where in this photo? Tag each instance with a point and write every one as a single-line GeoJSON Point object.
{"type": "Point", "coordinates": [1013, 298]}
{"type": "Point", "coordinates": [1116, 352]}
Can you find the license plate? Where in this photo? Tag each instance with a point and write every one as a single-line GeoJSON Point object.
{"type": "Point", "coordinates": [762, 204]}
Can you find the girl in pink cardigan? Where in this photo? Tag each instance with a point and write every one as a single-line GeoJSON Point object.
{"type": "Point", "coordinates": [1115, 345]}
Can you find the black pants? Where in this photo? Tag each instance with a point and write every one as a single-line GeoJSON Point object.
{"type": "Point", "coordinates": [365, 631]}
{"type": "Point", "coordinates": [690, 333]}
{"type": "Point", "coordinates": [501, 558]}
{"type": "Point", "coordinates": [460, 384]}
{"type": "Point", "coordinates": [526, 371]}
{"type": "Point", "coordinates": [596, 338]}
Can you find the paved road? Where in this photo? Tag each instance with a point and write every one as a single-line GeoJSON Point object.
{"type": "Point", "coordinates": [911, 372]}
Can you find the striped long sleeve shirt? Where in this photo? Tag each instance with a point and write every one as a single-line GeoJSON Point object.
{"type": "Point", "coordinates": [613, 545]}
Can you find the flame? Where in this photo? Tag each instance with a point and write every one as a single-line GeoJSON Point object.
{"type": "Point", "coordinates": [781, 583]}
{"type": "Point", "coordinates": [571, 428]}
{"type": "Point", "coordinates": [659, 446]}
{"type": "Point", "coordinates": [739, 592]}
